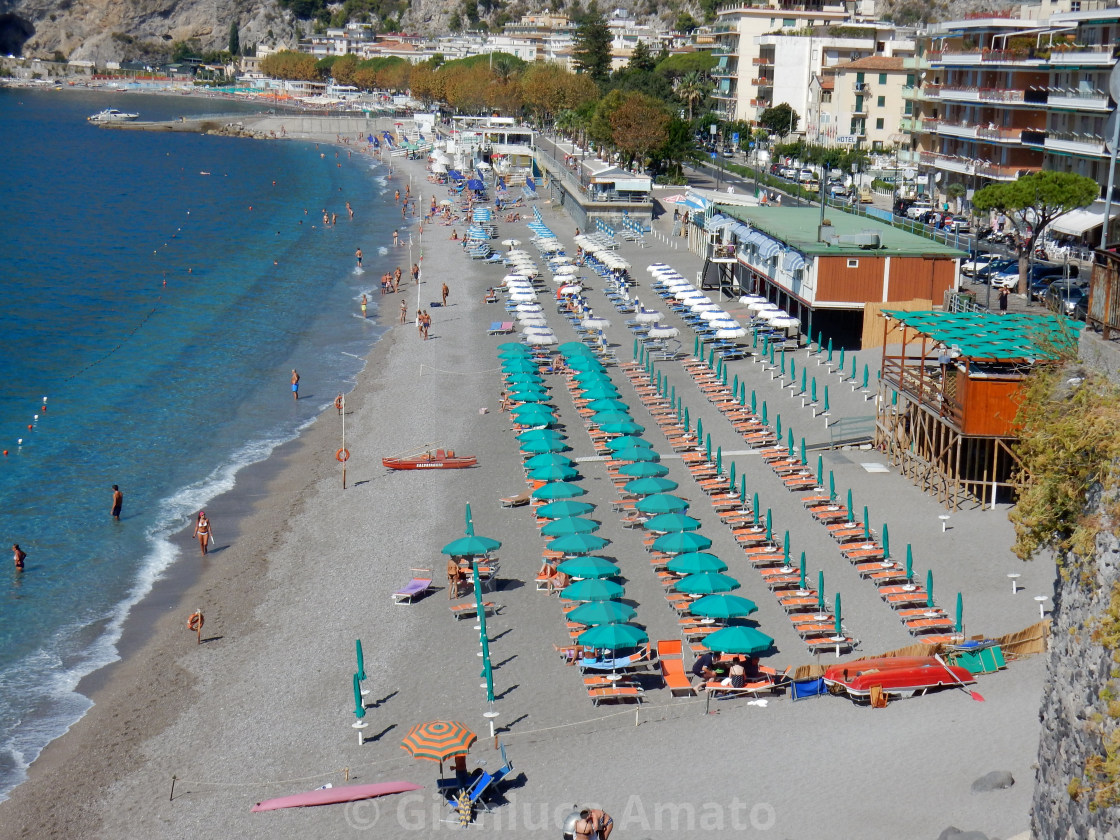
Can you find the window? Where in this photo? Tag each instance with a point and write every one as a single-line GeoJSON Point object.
{"type": "Point", "coordinates": [909, 80]}
{"type": "Point", "coordinates": [859, 104]}
{"type": "Point", "coordinates": [908, 108]}
{"type": "Point", "coordinates": [879, 123]}
{"type": "Point", "coordinates": [853, 263]}
{"type": "Point", "coordinates": [789, 21]}
{"type": "Point", "coordinates": [882, 78]}
{"type": "Point", "coordinates": [881, 102]}
{"type": "Point", "coordinates": [859, 78]}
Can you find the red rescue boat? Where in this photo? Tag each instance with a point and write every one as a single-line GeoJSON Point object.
{"type": "Point", "coordinates": [898, 676]}
{"type": "Point", "coordinates": [430, 458]}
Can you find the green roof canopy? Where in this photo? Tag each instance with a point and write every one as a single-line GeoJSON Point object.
{"type": "Point", "coordinates": [985, 336]}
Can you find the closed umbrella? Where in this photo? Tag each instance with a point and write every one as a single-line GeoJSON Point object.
{"type": "Point", "coordinates": [647, 486]}
{"type": "Point", "coordinates": [721, 605]}
{"type": "Point", "coordinates": [556, 473]}
{"type": "Point", "coordinates": [886, 543]}
{"type": "Point", "coordinates": [601, 612]}
{"type": "Point", "coordinates": [667, 523]}
{"type": "Point", "coordinates": [636, 453]}
{"type": "Point", "coordinates": [839, 627]}
{"type": "Point", "coordinates": [661, 503]}
{"type": "Point", "coordinates": [588, 568]}
{"type": "Point", "coordinates": [564, 508]}
{"type": "Point", "coordinates": [738, 640]}
{"type": "Point", "coordinates": [820, 593]}
{"type": "Point", "coordinates": [958, 626]}
{"type": "Point", "coordinates": [549, 459]}
{"type": "Point", "coordinates": [613, 636]}
{"type": "Point", "coordinates": [706, 583]}
{"type": "Point", "coordinates": [592, 590]}
{"type": "Point", "coordinates": [680, 542]}
{"type": "Point", "coordinates": [643, 469]}
{"type": "Point", "coordinates": [929, 588]}
{"type": "Point", "coordinates": [769, 526]}
{"type": "Point", "coordinates": [577, 544]}
{"type": "Point", "coordinates": [801, 583]}
{"type": "Point", "coordinates": [731, 477]}
{"type": "Point", "coordinates": [559, 490]}
{"type": "Point", "coordinates": [570, 525]}
{"type": "Point", "coordinates": [909, 563]}
{"type": "Point", "coordinates": [694, 563]}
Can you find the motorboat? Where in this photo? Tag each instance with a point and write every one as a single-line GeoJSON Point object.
{"type": "Point", "coordinates": [897, 676]}
{"type": "Point", "coordinates": [430, 459]}
{"type": "Point", "coordinates": [110, 115]}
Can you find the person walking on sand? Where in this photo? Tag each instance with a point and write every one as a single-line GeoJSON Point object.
{"type": "Point", "coordinates": [420, 322]}
{"type": "Point", "coordinates": [445, 292]}
{"type": "Point", "coordinates": [396, 239]}
{"type": "Point", "coordinates": [397, 279]}
{"type": "Point", "coordinates": [358, 257]}
{"type": "Point", "coordinates": [455, 578]}
{"type": "Point", "coordinates": [204, 532]}
{"type": "Point", "coordinates": [118, 501]}
{"type": "Point", "coordinates": [416, 274]}
{"type": "Point", "coordinates": [295, 384]}
{"type": "Point", "coordinates": [404, 311]}
{"type": "Point", "coordinates": [364, 304]}
{"type": "Point", "coordinates": [19, 555]}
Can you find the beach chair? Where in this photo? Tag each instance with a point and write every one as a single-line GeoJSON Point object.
{"type": "Point", "coordinates": [520, 500]}
{"type": "Point", "coordinates": [672, 671]}
{"type": "Point", "coordinates": [470, 610]}
{"type": "Point", "coordinates": [474, 793]}
{"type": "Point", "coordinates": [415, 588]}
{"type": "Point", "coordinates": [616, 693]}
{"type": "Point", "coordinates": [500, 328]}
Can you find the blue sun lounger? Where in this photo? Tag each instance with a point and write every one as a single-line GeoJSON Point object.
{"type": "Point", "coordinates": [500, 328]}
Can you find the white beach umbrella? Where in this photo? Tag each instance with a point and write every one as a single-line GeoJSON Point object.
{"type": "Point", "coordinates": [510, 243]}
{"type": "Point", "coordinates": [530, 319]}
{"type": "Point", "coordinates": [727, 324]}
{"type": "Point", "coordinates": [658, 331]}
{"type": "Point", "coordinates": [571, 289]}
{"type": "Point", "coordinates": [560, 260]}
{"type": "Point", "coordinates": [716, 314]}
{"type": "Point", "coordinates": [517, 297]}
{"type": "Point", "coordinates": [749, 299]}
{"type": "Point", "coordinates": [567, 269]}
{"type": "Point", "coordinates": [735, 333]}
{"type": "Point", "coordinates": [655, 267]}
{"type": "Point", "coordinates": [761, 306]}
{"type": "Point", "coordinates": [541, 339]}
{"type": "Point", "coordinates": [701, 306]}
{"type": "Point", "coordinates": [785, 323]}
{"type": "Point", "coordinates": [439, 168]}
{"type": "Point", "coordinates": [550, 245]}
{"type": "Point", "coordinates": [595, 323]}
{"type": "Point", "coordinates": [529, 307]}
{"type": "Point", "coordinates": [648, 316]}
{"type": "Point", "coordinates": [772, 314]}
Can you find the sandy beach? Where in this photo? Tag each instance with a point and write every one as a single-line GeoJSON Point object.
{"type": "Point", "coordinates": [263, 707]}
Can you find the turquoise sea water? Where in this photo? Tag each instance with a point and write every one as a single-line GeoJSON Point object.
{"type": "Point", "coordinates": [166, 390]}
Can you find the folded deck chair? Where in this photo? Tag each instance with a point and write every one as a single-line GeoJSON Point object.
{"type": "Point", "coordinates": [415, 588]}
{"type": "Point", "coordinates": [519, 500]}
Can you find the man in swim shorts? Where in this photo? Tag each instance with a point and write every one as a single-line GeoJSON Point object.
{"type": "Point", "coordinates": [295, 384]}
{"type": "Point", "coordinates": [118, 502]}
{"type": "Point", "coordinates": [19, 555]}
{"type": "Point", "coordinates": [358, 256]}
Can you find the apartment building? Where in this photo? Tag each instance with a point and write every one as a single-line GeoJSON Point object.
{"type": "Point", "coordinates": [996, 97]}
{"type": "Point", "coordinates": [866, 103]}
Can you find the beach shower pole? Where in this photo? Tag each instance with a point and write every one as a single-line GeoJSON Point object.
{"type": "Point", "coordinates": [410, 264]}
{"type": "Point", "coordinates": [345, 458]}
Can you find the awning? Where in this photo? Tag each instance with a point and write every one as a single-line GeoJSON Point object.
{"type": "Point", "coordinates": [769, 247]}
{"type": "Point", "coordinates": [741, 230]}
{"type": "Point", "coordinates": [718, 222]}
{"type": "Point", "coordinates": [793, 261]}
{"type": "Point", "coordinates": [632, 184]}
{"type": "Point", "coordinates": [1079, 221]}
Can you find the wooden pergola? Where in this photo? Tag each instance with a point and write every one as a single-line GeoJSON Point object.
{"type": "Point", "coordinates": [949, 396]}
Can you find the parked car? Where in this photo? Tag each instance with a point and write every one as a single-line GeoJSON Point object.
{"type": "Point", "coordinates": [1008, 278]}
{"type": "Point", "coordinates": [838, 190]}
{"type": "Point", "coordinates": [976, 262]}
{"type": "Point", "coordinates": [1064, 297]}
{"type": "Point", "coordinates": [956, 223]}
{"type": "Point", "coordinates": [995, 267]}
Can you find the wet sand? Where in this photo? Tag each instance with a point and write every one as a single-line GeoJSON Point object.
{"type": "Point", "coordinates": [263, 708]}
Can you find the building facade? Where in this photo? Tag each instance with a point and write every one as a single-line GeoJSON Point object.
{"type": "Point", "coordinates": [867, 103]}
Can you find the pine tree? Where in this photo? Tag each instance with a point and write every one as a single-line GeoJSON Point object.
{"type": "Point", "coordinates": [234, 39]}
{"type": "Point", "coordinates": [592, 51]}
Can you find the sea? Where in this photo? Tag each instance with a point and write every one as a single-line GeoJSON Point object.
{"type": "Point", "coordinates": [158, 289]}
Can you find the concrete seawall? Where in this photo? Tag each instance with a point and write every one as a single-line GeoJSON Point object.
{"type": "Point", "coordinates": [286, 126]}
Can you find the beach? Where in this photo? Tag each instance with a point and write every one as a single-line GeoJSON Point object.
{"type": "Point", "coordinates": [263, 707]}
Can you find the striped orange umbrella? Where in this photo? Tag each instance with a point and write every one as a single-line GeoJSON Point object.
{"type": "Point", "coordinates": [438, 740]}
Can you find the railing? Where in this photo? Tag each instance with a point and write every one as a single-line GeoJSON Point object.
{"type": "Point", "coordinates": [860, 87]}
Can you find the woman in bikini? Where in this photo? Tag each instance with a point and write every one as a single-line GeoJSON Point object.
{"type": "Point", "coordinates": [204, 532]}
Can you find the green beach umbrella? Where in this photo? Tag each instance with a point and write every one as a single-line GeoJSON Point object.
{"type": "Point", "coordinates": [573, 348]}
{"type": "Point", "coordinates": [643, 469]}
{"type": "Point", "coordinates": [820, 464]}
{"type": "Point", "coordinates": [840, 366]}
{"type": "Point", "coordinates": [813, 390]}
{"type": "Point", "coordinates": [613, 636]}
{"type": "Point", "coordinates": [590, 568]}
{"type": "Point", "coordinates": [600, 391]}
{"type": "Point", "coordinates": [673, 396]}
{"type": "Point", "coordinates": [667, 523]}
{"type": "Point", "coordinates": [929, 588]}
{"type": "Point", "coordinates": [820, 592]}
{"type": "Point", "coordinates": [470, 546]}
{"type": "Point", "coordinates": [533, 414]}
{"type": "Point", "coordinates": [559, 490]}
{"type": "Point", "coordinates": [886, 543]}
{"type": "Point", "coordinates": [529, 394]}
{"type": "Point", "coordinates": [754, 508]}
{"type": "Point", "coordinates": [803, 460]}
{"type": "Point", "coordinates": [738, 640]}
{"type": "Point", "coordinates": [830, 349]}
{"type": "Point", "coordinates": [958, 625]}
{"type": "Point", "coordinates": [613, 416]}
{"type": "Point", "coordinates": [783, 365]}
{"type": "Point", "coordinates": [700, 428]}
{"type": "Point", "coordinates": [719, 460]}
{"type": "Point", "coordinates": [909, 562]}
{"type": "Point", "coordinates": [804, 383]}
{"type": "Point", "coordinates": [556, 473]}
{"type": "Point", "coordinates": [722, 605]}
{"type": "Point", "coordinates": [706, 583]}
{"type": "Point", "coordinates": [680, 542]}
{"type": "Point", "coordinates": [570, 525]}
{"type": "Point", "coordinates": [866, 374]}
{"type": "Point", "coordinates": [649, 486]}
{"type": "Point", "coordinates": [769, 526]}
{"type": "Point", "coordinates": [359, 703]}
{"type": "Point", "coordinates": [853, 376]}
{"type": "Point", "coordinates": [593, 590]}
{"type": "Point", "coordinates": [661, 503]}
{"type": "Point", "coordinates": [686, 423]}
{"type": "Point", "coordinates": [731, 477]}
{"type": "Point", "coordinates": [539, 446]}
{"type": "Point", "coordinates": [694, 563]}
{"type": "Point", "coordinates": [636, 453]}
{"type": "Point", "coordinates": [636, 349]}
{"type": "Point", "coordinates": [513, 345]}
{"type": "Point", "coordinates": [519, 365]}
{"type": "Point", "coordinates": [831, 486]}
{"type": "Point", "coordinates": [735, 386]}
{"type": "Point", "coordinates": [518, 379]}
{"type": "Point", "coordinates": [754, 402]}
{"type": "Point", "coordinates": [851, 509]}
{"type": "Point", "coordinates": [549, 459]}
{"type": "Point", "coordinates": [866, 524]}
{"type": "Point", "coordinates": [785, 549]}
{"type": "Point", "coordinates": [578, 543]}
{"type": "Point", "coordinates": [743, 489]}
{"type": "Point", "coordinates": [362, 658]}
{"type": "Point", "coordinates": [839, 627]}
{"type": "Point", "coordinates": [789, 443]}
{"type": "Point", "coordinates": [541, 434]}
{"type": "Point", "coordinates": [580, 363]}
{"type": "Point", "coordinates": [601, 612]}
{"type": "Point", "coordinates": [628, 427]}
{"type": "Point", "coordinates": [515, 352]}
{"type": "Point", "coordinates": [778, 427]}
{"type": "Point", "coordinates": [707, 448]}
{"type": "Point", "coordinates": [610, 404]}
{"type": "Point", "coordinates": [765, 422]}
{"type": "Point", "coordinates": [826, 399]}
{"type": "Point", "coordinates": [802, 583]}
{"type": "Point", "coordinates": [615, 444]}
{"type": "Point", "coordinates": [564, 508]}
{"type": "Point", "coordinates": [792, 368]}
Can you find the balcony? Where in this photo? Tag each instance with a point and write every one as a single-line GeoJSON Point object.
{"type": "Point", "coordinates": [763, 61]}
{"type": "Point", "coordinates": [861, 87]}
{"type": "Point", "coordinates": [1078, 100]}
{"type": "Point", "coordinates": [916, 62]}
{"type": "Point", "coordinates": [1092, 55]}
{"type": "Point", "coordinates": [969, 58]}
{"type": "Point", "coordinates": [724, 73]}
{"type": "Point", "coordinates": [761, 102]}
{"type": "Point", "coordinates": [762, 82]}
{"type": "Point", "coordinates": [912, 124]}
{"type": "Point", "coordinates": [1071, 143]}
{"type": "Point", "coordinates": [860, 110]}
{"type": "Point", "coordinates": [1004, 96]}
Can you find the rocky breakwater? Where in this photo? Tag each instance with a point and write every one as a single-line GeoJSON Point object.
{"type": "Point", "coordinates": [249, 128]}
{"type": "Point", "coordinates": [1078, 780]}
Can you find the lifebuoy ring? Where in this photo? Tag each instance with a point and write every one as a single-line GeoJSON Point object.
{"type": "Point", "coordinates": [342, 455]}
{"type": "Point", "coordinates": [195, 622]}
{"type": "Point", "coordinates": [338, 402]}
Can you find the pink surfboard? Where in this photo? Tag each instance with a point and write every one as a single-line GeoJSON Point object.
{"type": "Point", "coordinates": [346, 793]}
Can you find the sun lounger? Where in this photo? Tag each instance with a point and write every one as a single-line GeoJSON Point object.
{"type": "Point", "coordinates": [927, 625]}
{"type": "Point", "coordinates": [500, 328]}
{"type": "Point", "coordinates": [415, 588]}
{"type": "Point", "coordinates": [617, 693]}
{"type": "Point", "coordinates": [469, 610]}
{"type": "Point", "coordinates": [827, 643]}
{"type": "Point", "coordinates": [718, 691]}
{"type": "Point", "coordinates": [676, 680]}
{"type": "Point", "coordinates": [519, 500]}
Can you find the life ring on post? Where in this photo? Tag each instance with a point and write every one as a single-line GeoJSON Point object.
{"type": "Point", "coordinates": [195, 622]}
{"type": "Point", "coordinates": [338, 402]}
{"type": "Point", "coordinates": [342, 455]}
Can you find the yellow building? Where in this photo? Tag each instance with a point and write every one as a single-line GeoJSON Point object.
{"type": "Point", "coordinates": [867, 105]}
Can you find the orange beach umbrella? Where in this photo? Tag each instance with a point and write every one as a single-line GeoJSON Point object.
{"type": "Point", "coordinates": [438, 740]}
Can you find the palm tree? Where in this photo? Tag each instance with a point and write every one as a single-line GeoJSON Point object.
{"type": "Point", "coordinates": [692, 88]}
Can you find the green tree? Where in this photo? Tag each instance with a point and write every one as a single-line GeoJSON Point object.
{"type": "Point", "coordinates": [692, 89]}
{"type": "Point", "coordinates": [676, 65]}
{"type": "Point", "coordinates": [1034, 201]}
{"type": "Point", "coordinates": [686, 23]}
{"type": "Point", "coordinates": [234, 39]}
{"type": "Point", "coordinates": [592, 51]}
{"type": "Point", "coordinates": [641, 58]}
{"type": "Point", "coordinates": [780, 119]}
{"type": "Point", "coordinates": [638, 126]}
{"type": "Point", "coordinates": [455, 22]}
{"type": "Point", "coordinates": [679, 148]}
{"type": "Point", "coordinates": [599, 127]}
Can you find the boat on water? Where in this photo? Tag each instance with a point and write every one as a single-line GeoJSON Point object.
{"type": "Point", "coordinates": [332, 795]}
{"type": "Point", "coordinates": [430, 458]}
{"type": "Point", "coordinates": [897, 676]}
{"type": "Point", "coordinates": [111, 115]}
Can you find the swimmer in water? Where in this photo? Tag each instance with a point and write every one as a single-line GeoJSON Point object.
{"type": "Point", "coordinates": [19, 555]}
{"type": "Point", "coordinates": [358, 255]}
